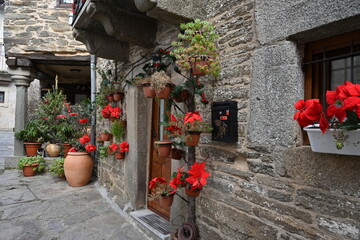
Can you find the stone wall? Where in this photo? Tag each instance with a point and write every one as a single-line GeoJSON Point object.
{"type": "Point", "coordinates": [267, 185]}
{"type": "Point", "coordinates": [38, 26]}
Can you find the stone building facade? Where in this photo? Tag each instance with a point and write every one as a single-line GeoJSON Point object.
{"type": "Point", "coordinates": [267, 185]}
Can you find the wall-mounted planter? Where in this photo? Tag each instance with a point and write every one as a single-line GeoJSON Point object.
{"type": "Point", "coordinates": [149, 92]}
{"type": "Point", "coordinates": [120, 155]}
{"type": "Point", "coordinates": [192, 139]}
{"type": "Point", "coordinates": [118, 96]}
{"type": "Point", "coordinates": [325, 143]}
{"type": "Point", "coordinates": [163, 148]}
{"type": "Point", "coordinates": [165, 92]}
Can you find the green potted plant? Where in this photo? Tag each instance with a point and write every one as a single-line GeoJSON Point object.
{"type": "Point", "coordinates": [32, 135]}
{"type": "Point", "coordinates": [106, 135]}
{"type": "Point", "coordinates": [57, 168]}
{"type": "Point", "coordinates": [196, 48]}
{"type": "Point", "coordinates": [31, 165]}
{"type": "Point", "coordinates": [118, 129]}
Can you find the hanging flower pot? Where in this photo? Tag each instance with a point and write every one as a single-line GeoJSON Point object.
{"type": "Point", "coordinates": [182, 96]}
{"type": "Point", "coordinates": [28, 170]}
{"type": "Point", "coordinates": [118, 96]}
{"type": "Point", "coordinates": [166, 201]}
{"type": "Point", "coordinates": [177, 154]}
{"type": "Point", "coordinates": [78, 168]}
{"type": "Point", "coordinates": [110, 97]}
{"type": "Point", "coordinates": [149, 91]}
{"type": "Point", "coordinates": [53, 150]}
{"type": "Point", "coordinates": [31, 148]}
{"type": "Point", "coordinates": [65, 148]}
{"type": "Point", "coordinates": [105, 136]}
{"type": "Point", "coordinates": [165, 92]}
{"type": "Point", "coordinates": [192, 193]}
{"type": "Point", "coordinates": [119, 155]}
{"type": "Point", "coordinates": [199, 65]}
{"type": "Point", "coordinates": [192, 138]}
{"type": "Point", "coordinates": [164, 148]}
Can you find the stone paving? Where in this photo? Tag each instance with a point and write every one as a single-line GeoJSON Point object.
{"type": "Point", "coordinates": [6, 146]}
{"type": "Point", "coordinates": [44, 207]}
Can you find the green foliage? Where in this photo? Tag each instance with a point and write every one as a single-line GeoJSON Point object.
{"type": "Point", "coordinates": [33, 131]}
{"type": "Point", "coordinates": [118, 129]}
{"type": "Point", "coordinates": [32, 160]}
{"type": "Point", "coordinates": [198, 42]}
{"type": "Point", "coordinates": [57, 168]}
{"type": "Point", "coordinates": [103, 151]}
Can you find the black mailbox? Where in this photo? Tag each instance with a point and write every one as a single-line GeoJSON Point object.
{"type": "Point", "coordinates": [224, 121]}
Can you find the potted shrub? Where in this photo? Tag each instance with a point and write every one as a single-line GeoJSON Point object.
{"type": "Point", "coordinates": [193, 127]}
{"type": "Point", "coordinates": [31, 165]}
{"type": "Point", "coordinates": [197, 49]}
{"type": "Point", "coordinates": [338, 130]}
{"type": "Point", "coordinates": [161, 82]}
{"type": "Point", "coordinates": [119, 149]}
{"type": "Point", "coordinates": [161, 191]}
{"type": "Point", "coordinates": [57, 168]}
{"type": "Point", "coordinates": [32, 135]}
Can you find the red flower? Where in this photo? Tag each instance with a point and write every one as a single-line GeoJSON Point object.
{"type": "Point", "coordinates": [154, 181]}
{"type": "Point", "coordinates": [90, 147]}
{"type": "Point", "coordinates": [61, 116]}
{"type": "Point", "coordinates": [124, 147]}
{"type": "Point", "coordinates": [68, 107]}
{"type": "Point", "coordinates": [84, 120]}
{"type": "Point", "coordinates": [74, 114]}
{"type": "Point", "coordinates": [84, 139]}
{"type": "Point", "coordinates": [115, 112]}
{"type": "Point", "coordinates": [114, 146]}
{"type": "Point", "coordinates": [309, 111]}
{"type": "Point", "coordinates": [73, 149]}
{"type": "Point", "coordinates": [106, 111]}
{"type": "Point", "coordinates": [198, 175]}
{"type": "Point", "coordinates": [191, 117]}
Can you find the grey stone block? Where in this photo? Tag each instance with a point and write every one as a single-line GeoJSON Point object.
{"type": "Point", "coordinates": [348, 229]}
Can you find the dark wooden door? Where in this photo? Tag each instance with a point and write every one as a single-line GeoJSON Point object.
{"type": "Point", "coordinates": [159, 166]}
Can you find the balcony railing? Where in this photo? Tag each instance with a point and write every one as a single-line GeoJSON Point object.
{"type": "Point", "coordinates": [77, 6]}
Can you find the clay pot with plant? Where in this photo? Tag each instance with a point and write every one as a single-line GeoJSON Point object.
{"type": "Point", "coordinates": [31, 165]}
{"type": "Point", "coordinates": [106, 135]}
{"type": "Point", "coordinates": [163, 148]}
{"type": "Point", "coordinates": [162, 84]}
{"type": "Point", "coordinates": [162, 191]}
{"type": "Point", "coordinates": [57, 168]}
{"type": "Point", "coordinates": [32, 135]}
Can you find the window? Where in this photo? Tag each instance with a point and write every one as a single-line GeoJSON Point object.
{"type": "Point", "coordinates": [2, 97]}
{"type": "Point", "coordinates": [64, 3]}
{"type": "Point", "coordinates": [331, 62]}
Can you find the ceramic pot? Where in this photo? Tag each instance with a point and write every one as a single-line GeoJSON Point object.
{"type": "Point", "coordinates": [164, 148]}
{"type": "Point", "coordinates": [110, 97]}
{"type": "Point", "coordinates": [53, 150]}
{"type": "Point", "coordinates": [28, 170]}
{"type": "Point", "coordinates": [120, 155]}
{"type": "Point", "coordinates": [164, 93]}
{"type": "Point", "coordinates": [177, 154]}
{"type": "Point", "coordinates": [31, 148]}
{"type": "Point", "coordinates": [149, 92]}
{"type": "Point", "coordinates": [192, 138]}
{"type": "Point", "coordinates": [192, 193]}
{"type": "Point", "coordinates": [118, 96]}
{"type": "Point", "coordinates": [106, 136]}
{"type": "Point", "coordinates": [78, 168]}
{"type": "Point", "coordinates": [167, 201]}
{"type": "Point", "coordinates": [65, 148]}
{"type": "Point", "coordinates": [183, 96]}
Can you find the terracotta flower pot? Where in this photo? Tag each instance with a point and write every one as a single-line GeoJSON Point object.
{"type": "Point", "coordinates": [120, 155]}
{"type": "Point", "coordinates": [166, 201]}
{"type": "Point", "coordinates": [53, 150]}
{"type": "Point", "coordinates": [110, 97]}
{"type": "Point", "coordinates": [78, 168]}
{"type": "Point", "coordinates": [31, 148]}
{"type": "Point", "coordinates": [65, 148]}
{"type": "Point", "coordinates": [149, 92]}
{"type": "Point", "coordinates": [164, 148]}
{"type": "Point", "coordinates": [28, 170]}
{"type": "Point", "coordinates": [192, 138]}
{"type": "Point", "coordinates": [106, 136]}
{"type": "Point", "coordinates": [183, 96]}
{"type": "Point", "coordinates": [192, 193]}
{"type": "Point", "coordinates": [164, 93]}
{"type": "Point", "coordinates": [177, 154]}
{"type": "Point", "coordinates": [196, 67]}
{"type": "Point", "coordinates": [118, 96]}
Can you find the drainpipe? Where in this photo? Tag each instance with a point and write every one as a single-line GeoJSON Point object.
{"type": "Point", "coordinates": [93, 95]}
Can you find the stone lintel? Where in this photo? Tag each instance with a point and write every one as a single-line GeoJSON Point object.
{"type": "Point", "coordinates": [103, 45]}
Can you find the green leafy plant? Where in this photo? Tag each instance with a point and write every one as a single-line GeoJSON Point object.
{"type": "Point", "coordinates": [57, 168]}
{"type": "Point", "coordinates": [118, 129]}
{"type": "Point", "coordinates": [24, 161]}
{"type": "Point", "coordinates": [197, 43]}
{"type": "Point", "coordinates": [33, 131]}
{"type": "Point", "coordinates": [104, 152]}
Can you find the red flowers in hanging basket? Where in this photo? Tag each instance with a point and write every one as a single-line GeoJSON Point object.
{"type": "Point", "coordinates": [109, 111]}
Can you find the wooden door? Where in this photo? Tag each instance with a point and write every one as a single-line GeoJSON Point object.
{"type": "Point", "coordinates": [159, 166]}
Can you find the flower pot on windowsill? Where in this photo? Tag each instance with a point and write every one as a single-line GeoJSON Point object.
{"type": "Point", "coordinates": [325, 143]}
{"type": "Point", "coordinates": [149, 91]}
{"type": "Point", "coordinates": [166, 201]}
{"type": "Point", "coordinates": [163, 148]}
{"type": "Point", "coordinates": [192, 138]}
{"type": "Point", "coordinates": [192, 193]}
{"type": "Point", "coordinates": [165, 92]}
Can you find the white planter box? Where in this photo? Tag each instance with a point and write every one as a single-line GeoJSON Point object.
{"type": "Point", "coordinates": [325, 143]}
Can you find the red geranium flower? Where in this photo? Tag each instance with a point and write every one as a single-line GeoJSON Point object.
{"type": "Point", "coordinates": [84, 139]}
{"type": "Point", "coordinates": [124, 147]}
{"type": "Point", "coordinates": [154, 181]}
{"type": "Point", "coordinates": [191, 117]}
{"type": "Point", "coordinates": [61, 116]}
{"type": "Point", "coordinates": [74, 114]}
{"type": "Point", "coordinates": [114, 146]}
{"type": "Point", "coordinates": [106, 111]}
{"type": "Point", "coordinates": [90, 147]}
{"type": "Point", "coordinates": [83, 121]}
{"type": "Point", "coordinates": [73, 149]}
{"type": "Point", "coordinates": [198, 175]}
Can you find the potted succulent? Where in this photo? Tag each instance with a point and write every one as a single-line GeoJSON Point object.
{"type": "Point", "coordinates": [197, 49]}
{"type": "Point", "coordinates": [161, 82]}
{"type": "Point", "coordinates": [161, 191]}
{"type": "Point", "coordinates": [32, 135]}
{"type": "Point", "coordinates": [338, 130]}
{"type": "Point", "coordinates": [31, 165]}
{"type": "Point", "coordinates": [57, 168]}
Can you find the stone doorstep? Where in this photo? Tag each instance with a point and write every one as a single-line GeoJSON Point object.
{"type": "Point", "coordinates": [153, 231]}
